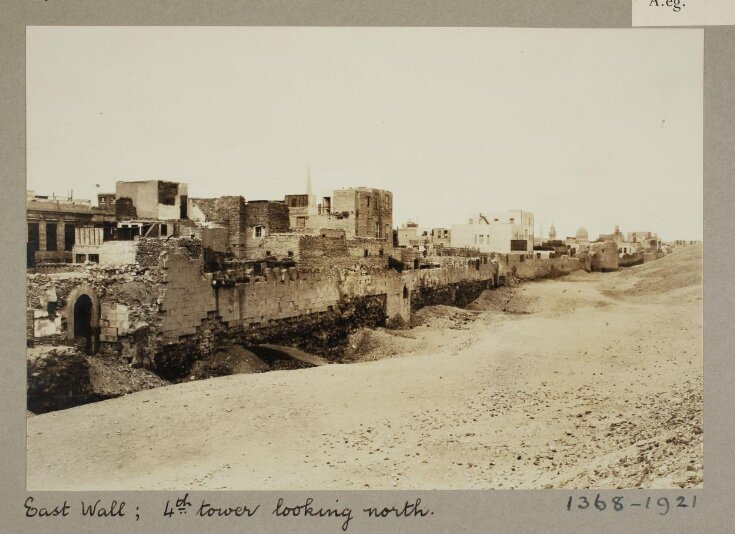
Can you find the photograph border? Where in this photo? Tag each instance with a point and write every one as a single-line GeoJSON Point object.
{"type": "Point", "coordinates": [527, 511]}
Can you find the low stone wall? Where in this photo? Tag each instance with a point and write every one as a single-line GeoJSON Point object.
{"type": "Point", "coordinates": [629, 260]}
{"type": "Point", "coordinates": [531, 269]}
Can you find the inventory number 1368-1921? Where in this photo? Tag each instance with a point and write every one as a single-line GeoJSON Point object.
{"type": "Point", "coordinates": [662, 505]}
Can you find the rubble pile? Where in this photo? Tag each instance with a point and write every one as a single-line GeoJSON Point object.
{"type": "Point", "coordinates": [58, 378]}
{"type": "Point", "coordinates": [110, 378]}
{"type": "Point", "coordinates": [63, 377]}
{"type": "Point", "coordinates": [230, 360]}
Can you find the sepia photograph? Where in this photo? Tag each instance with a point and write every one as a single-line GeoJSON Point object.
{"type": "Point", "coordinates": [291, 258]}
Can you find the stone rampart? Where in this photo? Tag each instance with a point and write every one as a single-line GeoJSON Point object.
{"type": "Point", "coordinates": [171, 314]}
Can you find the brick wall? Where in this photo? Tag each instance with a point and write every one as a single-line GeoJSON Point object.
{"type": "Point", "coordinates": [228, 212]}
{"type": "Point", "coordinates": [273, 214]}
{"type": "Point", "coordinates": [114, 321]}
{"type": "Point", "coordinates": [188, 294]}
{"type": "Point", "coordinates": [279, 245]}
{"type": "Point", "coordinates": [272, 217]}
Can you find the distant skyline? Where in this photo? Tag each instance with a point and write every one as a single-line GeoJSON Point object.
{"type": "Point", "coordinates": [587, 128]}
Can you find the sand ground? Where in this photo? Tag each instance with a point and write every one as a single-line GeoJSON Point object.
{"type": "Point", "coordinates": [591, 380]}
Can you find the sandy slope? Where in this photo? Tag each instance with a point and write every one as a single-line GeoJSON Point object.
{"type": "Point", "coordinates": [588, 380]}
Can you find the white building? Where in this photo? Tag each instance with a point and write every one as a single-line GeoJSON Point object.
{"type": "Point", "coordinates": [503, 232]}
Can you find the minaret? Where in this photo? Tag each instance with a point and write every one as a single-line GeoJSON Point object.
{"type": "Point", "coordinates": [311, 198]}
{"type": "Point", "coordinates": [552, 233]}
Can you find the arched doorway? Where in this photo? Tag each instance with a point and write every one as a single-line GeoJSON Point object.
{"type": "Point", "coordinates": [83, 319]}
{"type": "Point", "coordinates": [83, 323]}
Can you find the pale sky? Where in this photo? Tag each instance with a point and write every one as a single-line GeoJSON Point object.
{"type": "Point", "coordinates": [581, 127]}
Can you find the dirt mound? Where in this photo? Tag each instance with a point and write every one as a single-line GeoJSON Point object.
{"type": "Point", "coordinates": [503, 299]}
{"type": "Point", "coordinates": [680, 270]}
{"type": "Point", "coordinates": [110, 379]}
{"type": "Point", "coordinates": [369, 345]}
{"type": "Point", "coordinates": [228, 361]}
{"type": "Point", "coordinates": [441, 316]}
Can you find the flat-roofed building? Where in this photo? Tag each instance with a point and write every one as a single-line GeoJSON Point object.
{"type": "Point", "coordinates": [503, 232]}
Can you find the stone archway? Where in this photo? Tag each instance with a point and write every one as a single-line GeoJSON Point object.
{"type": "Point", "coordinates": [83, 318]}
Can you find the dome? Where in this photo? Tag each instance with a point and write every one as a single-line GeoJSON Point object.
{"type": "Point", "coordinates": [582, 234]}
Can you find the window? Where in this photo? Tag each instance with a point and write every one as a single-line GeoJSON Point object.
{"type": "Point", "coordinates": [259, 231]}
{"type": "Point", "coordinates": [80, 258]}
{"type": "Point", "coordinates": [68, 236]}
{"type": "Point", "coordinates": [51, 236]}
{"type": "Point", "coordinates": [94, 258]}
{"type": "Point", "coordinates": [164, 229]}
{"type": "Point", "coordinates": [368, 201]}
{"type": "Point", "coordinates": [33, 236]}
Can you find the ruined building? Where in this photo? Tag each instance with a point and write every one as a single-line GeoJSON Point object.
{"type": "Point", "coordinates": [358, 212]}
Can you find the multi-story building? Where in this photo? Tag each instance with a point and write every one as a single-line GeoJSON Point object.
{"type": "Point", "coordinates": [151, 199]}
{"type": "Point", "coordinates": [53, 224]}
{"type": "Point", "coordinates": [406, 234]}
{"type": "Point", "coordinates": [504, 232]}
{"type": "Point", "coordinates": [441, 236]}
{"type": "Point", "coordinates": [358, 211]}
{"type": "Point", "coordinates": [647, 241]}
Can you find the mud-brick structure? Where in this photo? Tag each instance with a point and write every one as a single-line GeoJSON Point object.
{"type": "Point", "coordinates": [604, 256]}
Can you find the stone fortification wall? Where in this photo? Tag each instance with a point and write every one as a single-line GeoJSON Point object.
{"type": "Point", "coordinates": [457, 283]}
{"type": "Point", "coordinates": [171, 313]}
{"type": "Point", "coordinates": [530, 269]}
